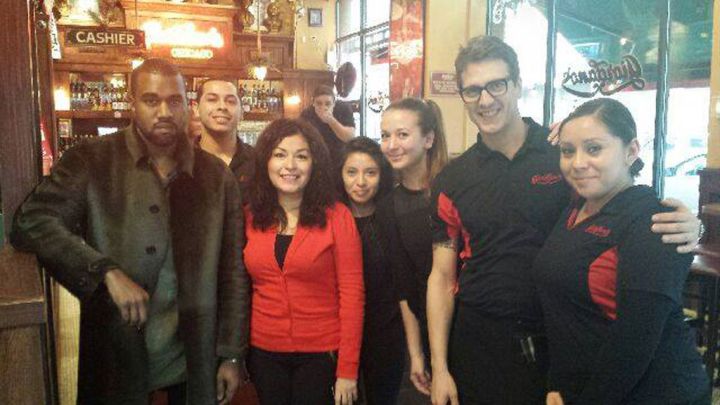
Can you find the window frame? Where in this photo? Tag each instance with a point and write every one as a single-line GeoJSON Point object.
{"type": "Point", "coordinates": [663, 82]}
{"type": "Point", "coordinates": [361, 34]}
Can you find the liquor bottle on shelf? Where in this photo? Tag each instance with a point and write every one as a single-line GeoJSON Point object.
{"type": "Point", "coordinates": [245, 98]}
{"type": "Point", "coordinates": [73, 94]}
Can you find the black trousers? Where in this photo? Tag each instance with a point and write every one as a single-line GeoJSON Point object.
{"type": "Point", "coordinates": [382, 364]}
{"type": "Point", "coordinates": [486, 360]}
{"type": "Point", "coordinates": [176, 394]}
{"type": "Point", "coordinates": [292, 378]}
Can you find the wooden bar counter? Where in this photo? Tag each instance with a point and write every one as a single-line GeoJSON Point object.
{"type": "Point", "coordinates": [24, 371]}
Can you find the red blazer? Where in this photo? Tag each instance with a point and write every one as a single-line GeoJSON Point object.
{"type": "Point", "coordinates": [315, 303]}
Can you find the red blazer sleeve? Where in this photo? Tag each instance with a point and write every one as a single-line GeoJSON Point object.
{"type": "Point", "coordinates": [349, 268]}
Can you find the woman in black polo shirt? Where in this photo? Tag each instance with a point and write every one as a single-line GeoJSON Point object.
{"type": "Point", "coordinates": [610, 288]}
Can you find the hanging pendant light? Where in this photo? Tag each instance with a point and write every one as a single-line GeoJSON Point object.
{"type": "Point", "coordinates": [259, 66]}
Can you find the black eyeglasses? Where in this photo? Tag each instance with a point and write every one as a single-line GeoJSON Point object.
{"type": "Point", "coordinates": [472, 94]}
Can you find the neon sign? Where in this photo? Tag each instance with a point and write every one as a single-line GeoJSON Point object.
{"type": "Point", "coordinates": [182, 35]}
{"type": "Point", "coordinates": [191, 53]}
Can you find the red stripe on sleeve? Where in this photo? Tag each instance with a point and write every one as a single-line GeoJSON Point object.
{"type": "Point", "coordinates": [454, 227]}
{"type": "Point", "coordinates": [602, 282]}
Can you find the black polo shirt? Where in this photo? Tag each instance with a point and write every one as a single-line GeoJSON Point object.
{"type": "Point", "coordinates": [502, 210]}
{"type": "Point", "coordinates": [611, 295]}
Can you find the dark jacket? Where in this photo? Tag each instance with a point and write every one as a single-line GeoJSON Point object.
{"type": "Point", "coordinates": [243, 166]}
{"type": "Point", "coordinates": [94, 208]}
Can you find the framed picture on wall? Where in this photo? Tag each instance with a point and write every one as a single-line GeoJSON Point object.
{"type": "Point", "coordinates": [315, 17]}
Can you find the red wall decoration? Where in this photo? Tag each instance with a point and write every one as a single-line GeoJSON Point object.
{"type": "Point", "coordinates": [407, 29]}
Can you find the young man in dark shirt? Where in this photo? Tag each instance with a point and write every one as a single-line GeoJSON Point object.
{"type": "Point", "coordinates": [220, 111]}
{"type": "Point", "coordinates": [332, 119]}
{"type": "Point", "coordinates": [494, 206]}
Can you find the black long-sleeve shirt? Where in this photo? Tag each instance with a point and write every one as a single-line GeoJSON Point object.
{"type": "Point", "coordinates": [405, 217]}
{"type": "Point", "coordinates": [611, 298]}
{"type": "Point", "coordinates": [382, 312]}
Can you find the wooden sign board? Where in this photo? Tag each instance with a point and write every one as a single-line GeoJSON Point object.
{"type": "Point", "coordinates": [105, 37]}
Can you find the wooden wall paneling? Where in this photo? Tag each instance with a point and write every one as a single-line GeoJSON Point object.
{"type": "Point", "coordinates": [20, 143]}
{"type": "Point", "coordinates": [24, 372]}
{"type": "Point", "coordinates": [45, 78]}
{"type": "Point", "coordinates": [24, 376]}
{"type": "Point", "coordinates": [19, 365]}
{"type": "Point", "coordinates": [302, 83]}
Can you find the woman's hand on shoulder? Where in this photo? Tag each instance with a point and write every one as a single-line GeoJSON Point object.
{"type": "Point", "coordinates": [346, 391]}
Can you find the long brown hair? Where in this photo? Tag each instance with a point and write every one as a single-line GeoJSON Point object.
{"type": "Point", "coordinates": [319, 194]}
{"type": "Point", "coordinates": [429, 119]}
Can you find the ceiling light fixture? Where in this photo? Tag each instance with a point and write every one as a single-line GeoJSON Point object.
{"type": "Point", "coordinates": [260, 65]}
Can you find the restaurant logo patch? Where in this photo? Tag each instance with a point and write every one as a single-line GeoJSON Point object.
{"type": "Point", "coordinates": [604, 77]}
{"type": "Point", "coordinates": [598, 230]}
{"type": "Point", "coordinates": [545, 179]}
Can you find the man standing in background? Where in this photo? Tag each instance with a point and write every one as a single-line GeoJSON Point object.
{"type": "Point", "coordinates": [333, 120]}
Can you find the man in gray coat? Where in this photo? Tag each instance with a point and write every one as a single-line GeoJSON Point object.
{"type": "Point", "coordinates": [147, 232]}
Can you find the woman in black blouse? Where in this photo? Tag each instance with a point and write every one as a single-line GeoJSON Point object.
{"type": "Point", "coordinates": [413, 141]}
{"type": "Point", "coordinates": [610, 288]}
{"type": "Point", "coordinates": [366, 177]}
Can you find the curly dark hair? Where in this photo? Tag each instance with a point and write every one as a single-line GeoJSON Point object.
{"type": "Point", "coordinates": [363, 144]}
{"type": "Point", "coordinates": [319, 193]}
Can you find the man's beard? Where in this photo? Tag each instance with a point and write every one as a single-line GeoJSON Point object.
{"type": "Point", "coordinates": [164, 134]}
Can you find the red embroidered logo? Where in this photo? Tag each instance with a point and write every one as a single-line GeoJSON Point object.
{"type": "Point", "coordinates": [598, 230]}
{"type": "Point", "coordinates": [546, 179]}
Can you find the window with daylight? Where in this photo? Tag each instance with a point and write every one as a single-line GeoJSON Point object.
{"type": "Point", "coordinates": [362, 39]}
{"type": "Point", "coordinates": [592, 39]}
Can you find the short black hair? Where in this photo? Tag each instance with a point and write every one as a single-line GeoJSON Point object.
{"type": "Point", "coordinates": [153, 65]}
{"type": "Point", "coordinates": [323, 90]}
{"type": "Point", "coordinates": [486, 47]}
{"type": "Point", "coordinates": [201, 88]}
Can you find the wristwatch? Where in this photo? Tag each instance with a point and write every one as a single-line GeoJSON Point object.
{"type": "Point", "coordinates": [233, 360]}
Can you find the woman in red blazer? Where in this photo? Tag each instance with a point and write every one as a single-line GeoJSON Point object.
{"type": "Point", "coordinates": [304, 256]}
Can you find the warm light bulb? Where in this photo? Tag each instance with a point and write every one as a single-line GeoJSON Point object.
{"type": "Point", "coordinates": [62, 100]}
{"type": "Point", "coordinates": [260, 72]}
{"type": "Point", "coordinates": [293, 100]}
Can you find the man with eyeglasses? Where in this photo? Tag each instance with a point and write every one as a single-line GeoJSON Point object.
{"type": "Point", "coordinates": [494, 206]}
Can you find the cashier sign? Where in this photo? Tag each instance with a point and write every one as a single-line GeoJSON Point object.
{"type": "Point", "coordinates": [93, 37]}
